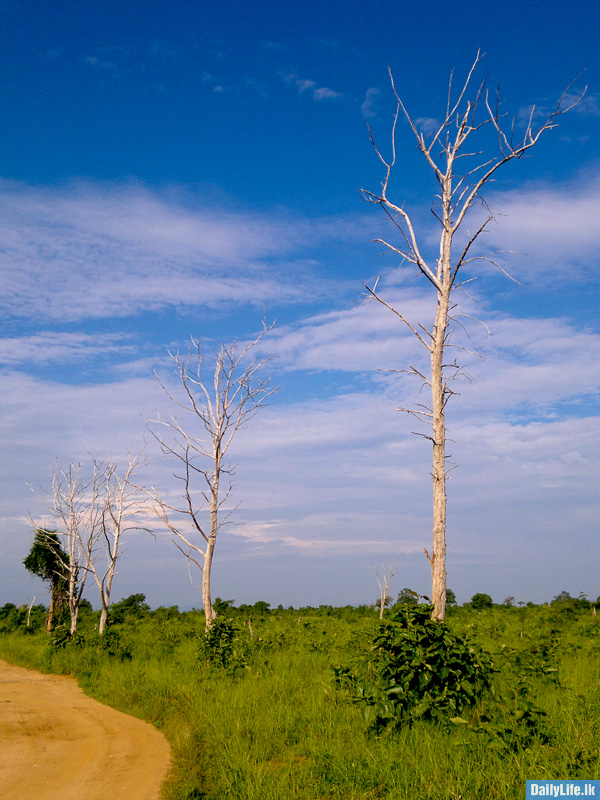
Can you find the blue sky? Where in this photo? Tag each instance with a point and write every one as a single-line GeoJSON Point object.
{"type": "Point", "coordinates": [185, 168]}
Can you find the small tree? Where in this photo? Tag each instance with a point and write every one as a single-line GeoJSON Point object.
{"type": "Point", "coordinates": [76, 506]}
{"type": "Point", "coordinates": [219, 407]}
{"type": "Point", "coordinates": [385, 582]}
{"type": "Point", "coordinates": [407, 598]}
{"type": "Point", "coordinates": [119, 501]}
{"type": "Point", "coordinates": [480, 601]}
{"type": "Point", "coordinates": [461, 174]}
{"type": "Point", "coordinates": [47, 560]}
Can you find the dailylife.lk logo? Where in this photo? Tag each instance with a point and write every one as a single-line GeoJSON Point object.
{"type": "Point", "coordinates": [564, 788]}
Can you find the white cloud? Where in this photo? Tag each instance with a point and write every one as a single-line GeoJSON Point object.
{"type": "Point", "coordinates": [367, 108]}
{"type": "Point", "coordinates": [306, 85]}
{"type": "Point", "coordinates": [325, 94]}
{"type": "Point", "coordinates": [91, 251]}
{"type": "Point", "coordinates": [556, 226]}
{"type": "Point", "coordinates": [49, 346]}
{"type": "Point", "coordinates": [427, 125]}
{"type": "Point", "coordinates": [588, 105]}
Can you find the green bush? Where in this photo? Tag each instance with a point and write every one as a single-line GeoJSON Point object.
{"type": "Point", "coordinates": [418, 669]}
{"type": "Point", "coordinates": [221, 645]}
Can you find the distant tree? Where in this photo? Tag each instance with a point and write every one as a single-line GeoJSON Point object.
{"type": "Point", "coordinates": [480, 601]}
{"type": "Point", "coordinates": [219, 405]}
{"type": "Point", "coordinates": [47, 561]}
{"type": "Point", "coordinates": [384, 581]}
{"type": "Point", "coordinates": [450, 597]}
{"type": "Point", "coordinates": [456, 151]}
{"type": "Point", "coordinates": [407, 597]}
{"type": "Point", "coordinates": [569, 603]}
{"type": "Point", "coordinates": [221, 606]}
{"type": "Point", "coordinates": [509, 601]}
{"type": "Point", "coordinates": [563, 597]}
{"type": "Point", "coordinates": [132, 607]}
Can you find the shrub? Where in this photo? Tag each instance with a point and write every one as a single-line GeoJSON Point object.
{"type": "Point", "coordinates": [221, 645]}
{"type": "Point", "coordinates": [418, 669]}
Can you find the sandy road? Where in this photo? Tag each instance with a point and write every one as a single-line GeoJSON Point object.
{"type": "Point", "coordinates": [58, 744]}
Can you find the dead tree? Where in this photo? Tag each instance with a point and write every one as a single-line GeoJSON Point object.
{"type": "Point", "coordinates": [462, 173]}
{"type": "Point", "coordinates": [385, 582]}
{"type": "Point", "coordinates": [120, 501]}
{"type": "Point", "coordinates": [218, 406]}
{"type": "Point", "coordinates": [91, 514]}
{"type": "Point", "coordinates": [76, 506]}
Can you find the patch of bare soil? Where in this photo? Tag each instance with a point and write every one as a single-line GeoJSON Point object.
{"type": "Point", "coordinates": [58, 744]}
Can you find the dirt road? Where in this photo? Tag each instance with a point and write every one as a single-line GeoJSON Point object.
{"type": "Point", "coordinates": [58, 744]}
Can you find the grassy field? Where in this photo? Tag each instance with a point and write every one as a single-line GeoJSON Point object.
{"type": "Point", "coordinates": [257, 714]}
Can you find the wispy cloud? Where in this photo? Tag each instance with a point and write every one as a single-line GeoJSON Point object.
{"type": "Point", "coordinates": [91, 251]}
{"type": "Point", "coordinates": [587, 106]}
{"type": "Point", "coordinates": [427, 125]}
{"type": "Point", "coordinates": [49, 347]}
{"type": "Point", "coordinates": [555, 225]}
{"type": "Point", "coordinates": [305, 85]}
{"type": "Point", "coordinates": [368, 107]}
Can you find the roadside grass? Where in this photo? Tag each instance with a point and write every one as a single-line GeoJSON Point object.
{"type": "Point", "coordinates": [272, 723]}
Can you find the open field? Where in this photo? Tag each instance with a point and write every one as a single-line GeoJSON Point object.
{"type": "Point", "coordinates": [259, 715]}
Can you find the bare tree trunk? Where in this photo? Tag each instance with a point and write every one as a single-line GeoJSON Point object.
{"type": "Point", "coordinates": [438, 555]}
{"type": "Point", "coordinates": [29, 610]}
{"type": "Point", "coordinates": [209, 612]}
{"type": "Point", "coordinates": [50, 617]}
{"type": "Point", "coordinates": [103, 617]}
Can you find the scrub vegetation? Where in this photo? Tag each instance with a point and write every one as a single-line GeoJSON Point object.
{"type": "Point", "coordinates": [334, 703]}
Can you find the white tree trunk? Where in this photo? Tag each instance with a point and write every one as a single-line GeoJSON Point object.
{"type": "Point", "coordinates": [438, 555]}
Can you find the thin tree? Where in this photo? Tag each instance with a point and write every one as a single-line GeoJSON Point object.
{"type": "Point", "coordinates": [120, 502]}
{"type": "Point", "coordinates": [385, 582]}
{"type": "Point", "coordinates": [462, 172]}
{"type": "Point", "coordinates": [76, 505]}
{"type": "Point", "coordinates": [219, 403]}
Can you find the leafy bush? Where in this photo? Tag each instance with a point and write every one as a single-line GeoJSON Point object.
{"type": "Point", "coordinates": [419, 668]}
{"type": "Point", "coordinates": [511, 720]}
{"type": "Point", "coordinates": [221, 645]}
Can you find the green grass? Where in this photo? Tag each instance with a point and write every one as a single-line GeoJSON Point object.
{"type": "Point", "coordinates": [276, 726]}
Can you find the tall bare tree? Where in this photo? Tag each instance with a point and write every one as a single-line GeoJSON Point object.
{"type": "Point", "coordinates": [220, 403]}
{"type": "Point", "coordinates": [462, 171]}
